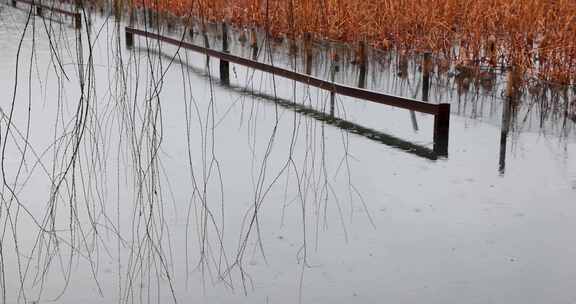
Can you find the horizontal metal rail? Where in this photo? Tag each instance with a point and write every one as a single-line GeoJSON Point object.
{"type": "Point", "coordinates": [441, 112]}
{"type": "Point", "coordinates": [39, 7]}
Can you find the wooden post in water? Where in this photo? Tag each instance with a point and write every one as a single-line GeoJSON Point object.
{"type": "Point", "coordinates": [79, 5]}
{"type": "Point", "coordinates": [117, 7]}
{"type": "Point", "coordinates": [205, 35]}
{"type": "Point", "coordinates": [293, 49]}
{"type": "Point", "coordinates": [39, 10]}
{"type": "Point", "coordinates": [361, 59]}
{"type": "Point", "coordinates": [132, 12]}
{"type": "Point", "coordinates": [151, 17]}
{"type": "Point", "coordinates": [512, 92]}
{"type": "Point", "coordinates": [129, 39]}
{"type": "Point", "coordinates": [225, 37]}
{"type": "Point", "coordinates": [254, 43]}
{"type": "Point", "coordinates": [242, 38]}
{"type": "Point", "coordinates": [224, 65]}
{"type": "Point", "coordinates": [204, 31]}
{"type": "Point", "coordinates": [191, 30]}
{"type": "Point", "coordinates": [442, 129]}
{"type": "Point", "coordinates": [169, 21]}
{"type": "Point", "coordinates": [426, 69]}
{"type": "Point", "coordinates": [13, 3]}
{"type": "Point", "coordinates": [504, 129]}
{"type": "Point", "coordinates": [308, 52]}
{"type": "Point", "coordinates": [77, 21]}
{"type": "Point", "coordinates": [513, 82]}
{"type": "Point", "coordinates": [334, 60]}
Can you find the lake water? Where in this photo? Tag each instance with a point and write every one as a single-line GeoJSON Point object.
{"type": "Point", "coordinates": [135, 176]}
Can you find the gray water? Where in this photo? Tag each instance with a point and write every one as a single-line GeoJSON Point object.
{"type": "Point", "coordinates": [156, 184]}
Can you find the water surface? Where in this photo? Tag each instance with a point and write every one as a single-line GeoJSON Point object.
{"type": "Point", "coordinates": [134, 175]}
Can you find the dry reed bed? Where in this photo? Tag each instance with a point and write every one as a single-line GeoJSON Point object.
{"type": "Point", "coordinates": [535, 36]}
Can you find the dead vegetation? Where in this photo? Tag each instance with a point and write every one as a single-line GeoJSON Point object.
{"type": "Point", "coordinates": [534, 36]}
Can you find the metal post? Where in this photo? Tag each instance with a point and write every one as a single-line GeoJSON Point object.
{"type": "Point", "coordinates": [442, 129]}
{"type": "Point", "coordinates": [224, 65]}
